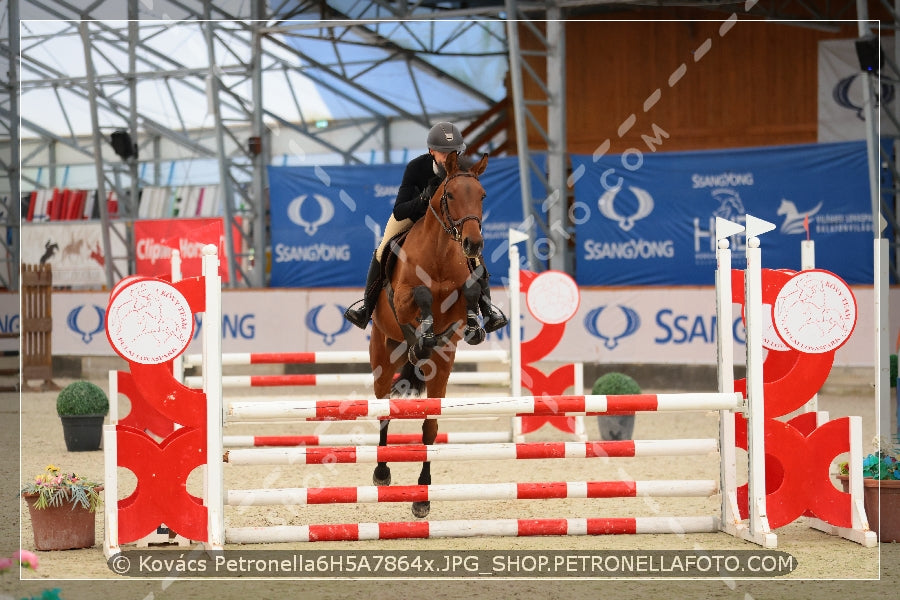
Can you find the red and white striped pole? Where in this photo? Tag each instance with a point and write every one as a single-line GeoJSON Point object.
{"type": "Point", "coordinates": [351, 532]}
{"type": "Point", "coordinates": [318, 455]}
{"type": "Point", "coordinates": [472, 491]}
{"type": "Point", "coordinates": [417, 408]}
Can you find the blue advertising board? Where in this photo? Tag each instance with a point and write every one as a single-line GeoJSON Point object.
{"type": "Point", "coordinates": [327, 221]}
{"type": "Point", "coordinates": [649, 219]}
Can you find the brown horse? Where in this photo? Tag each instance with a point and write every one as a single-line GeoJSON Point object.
{"type": "Point", "coordinates": [430, 302]}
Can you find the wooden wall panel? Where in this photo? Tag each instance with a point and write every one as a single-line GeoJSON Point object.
{"type": "Point", "coordinates": [754, 86]}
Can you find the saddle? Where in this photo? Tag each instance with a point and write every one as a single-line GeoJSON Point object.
{"type": "Point", "coordinates": [389, 259]}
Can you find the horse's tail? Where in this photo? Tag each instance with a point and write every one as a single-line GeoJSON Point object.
{"type": "Point", "coordinates": [409, 383]}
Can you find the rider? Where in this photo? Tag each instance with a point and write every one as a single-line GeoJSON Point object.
{"type": "Point", "coordinates": [421, 178]}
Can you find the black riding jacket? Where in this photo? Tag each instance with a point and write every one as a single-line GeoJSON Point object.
{"type": "Point", "coordinates": [418, 176]}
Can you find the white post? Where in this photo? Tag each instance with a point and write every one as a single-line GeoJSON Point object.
{"type": "Point", "coordinates": [110, 491]}
{"type": "Point", "coordinates": [113, 397]}
{"type": "Point", "coordinates": [883, 345]}
{"type": "Point", "coordinates": [178, 361]}
{"type": "Point", "coordinates": [807, 255]}
{"type": "Point", "coordinates": [808, 262]}
{"type": "Point", "coordinates": [578, 383]}
{"type": "Point", "coordinates": [729, 512]}
{"type": "Point", "coordinates": [214, 477]}
{"type": "Point", "coordinates": [756, 471]}
{"type": "Point", "coordinates": [515, 326]}
{"type": "Point", "coordinates": [859, 530]}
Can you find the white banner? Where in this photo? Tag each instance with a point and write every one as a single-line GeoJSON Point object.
{"type": "Point", "coordinates": [612, 325]}
{"type": "Point", "coordinates": [74, 250]}
{"type": "Point", "coordinates": [840, 91]}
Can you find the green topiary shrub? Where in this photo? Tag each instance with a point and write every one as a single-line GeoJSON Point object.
{"type": "Point", "coordinates": [615, 427]}
{"type": "Point", "coordinates": [616, 384]}
{"type": "Point", "coordinates": [82, 398]}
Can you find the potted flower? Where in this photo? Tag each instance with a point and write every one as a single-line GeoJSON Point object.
{"type": "Point", "coordinates": [82, 407]}
{"type": "Point", "coordinates": [616, 427]}
{"type": "Point", "coordinates": [881, 481]}
{"type": "Point", "coordinates": [62, 507]}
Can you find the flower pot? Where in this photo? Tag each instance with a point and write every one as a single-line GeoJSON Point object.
{"type": "Point", "coordinates": [82, 432]}
{"type": "Point", "coordinates": [616, 427]}
{"type": "Point", "coordinates": [64, 527]}
{"type": "Point", "coordinates": [884, 517]}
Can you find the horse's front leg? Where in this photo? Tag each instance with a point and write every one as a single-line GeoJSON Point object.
{"type": "Point", "coordinates": [382, 473]}
{"type": "Point", "coordinates": [425, 341]}
{"type": "Point", "coordinates": [429, 434]}
{"type": "Point", "coordinates": [472, 289]}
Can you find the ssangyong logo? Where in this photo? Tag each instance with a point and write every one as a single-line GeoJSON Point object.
{"type": "Point", "coordinates": [633, 248]}
{"type": "Point", "coordinates": [626, 222]}
{"type": "Point", "coordinates": [312, 323]}
{"type": "Point", "coordinates": [612, 329]}
{"type": "Point", "coordinates": [85, 325]}
{"type": "Point", "coordinates": [295, 213]}
{"type": "Point", "coordinates": [850, 96]}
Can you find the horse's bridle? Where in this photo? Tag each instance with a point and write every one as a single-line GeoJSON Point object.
{"type": "Point", "coordinates": [448, 223]}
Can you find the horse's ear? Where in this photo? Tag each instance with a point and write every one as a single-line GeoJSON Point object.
{"type": "Point", "coordinates": [451, 164]}
{"type": "Point", "coordinates": [479, 167]}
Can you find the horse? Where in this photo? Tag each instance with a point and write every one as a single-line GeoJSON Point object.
{"type": "Point", "coordinates": [429, 302]}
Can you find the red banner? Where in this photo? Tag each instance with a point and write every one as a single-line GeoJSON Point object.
{"type": "Point", "coordinates": [155, 239]}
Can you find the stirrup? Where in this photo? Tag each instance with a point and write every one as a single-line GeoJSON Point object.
{"type": "Point", "coordinates": [358, 316]}
{"type": "Point", "coordinates": [494, 320]}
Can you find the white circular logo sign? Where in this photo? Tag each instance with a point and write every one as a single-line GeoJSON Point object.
{"type": "Point", "coordinates": [149, 322]}
{"type": "Point", "coordinates": [815, 312]}
{"type": "Point", "coordinates": [553, 297]}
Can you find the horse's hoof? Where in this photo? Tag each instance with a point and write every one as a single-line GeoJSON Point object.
{"type": "Point", "coordinates": [381, 476]}
{"type": "Point", "coordinates": [474, 335]}
{"type": "Point", "coordinates": [417, 353]}
{"type": "Point", "coordinates": [421, 509]}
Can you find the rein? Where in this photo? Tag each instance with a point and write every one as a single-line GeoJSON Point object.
{"type": "Point", "coordinates": [451, 226]}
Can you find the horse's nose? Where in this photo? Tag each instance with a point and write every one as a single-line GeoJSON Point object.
{"type": "Point", "coordinates": [472, 247]}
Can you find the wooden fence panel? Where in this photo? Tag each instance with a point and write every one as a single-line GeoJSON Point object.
{"type": "Point", "coordinates": [36, 325]}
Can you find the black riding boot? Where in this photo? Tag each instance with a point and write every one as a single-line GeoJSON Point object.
{"type": "Point", "coordinates": [360, 316]}
{"type": "Point", "coordinates": [494, 318]}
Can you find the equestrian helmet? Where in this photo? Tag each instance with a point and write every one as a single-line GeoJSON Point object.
{"type": "Point", "coordinates": [445, 137]}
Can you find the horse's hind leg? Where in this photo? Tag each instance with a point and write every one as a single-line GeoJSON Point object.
{"type": "Point", "coordinates": [429, 434]}
{"type": "Point", "coordinates": [382, 473]}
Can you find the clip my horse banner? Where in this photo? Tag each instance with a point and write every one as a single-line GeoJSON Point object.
{"type": "Point", "coordinates": [649, 219]}
{"type": "Point", "coordinates": [327, 221]}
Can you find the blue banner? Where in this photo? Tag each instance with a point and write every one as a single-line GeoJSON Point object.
{"type": "Point", "coordinates": [327, 221]}
{"type": "Point", "coordinates": [649, 219]}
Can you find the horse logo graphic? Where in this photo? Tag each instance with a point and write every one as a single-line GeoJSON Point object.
{"type": "Point", "coordinates": [312, 323]}
{"type": "Point", "coordinates": [606, 203]}
{"type": "Point", "coordinates": [73, 322]}
{"type": "Point", "coordinates": [50, 249]}
{"type": "Point", "coordinates": [326, 213]}
{"type": "Point", "coordinates": [730, 205]}
{"type": "Point", "coordinates": [632, 324]}
{"type": "Point", "coordinates": [793, 218]}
